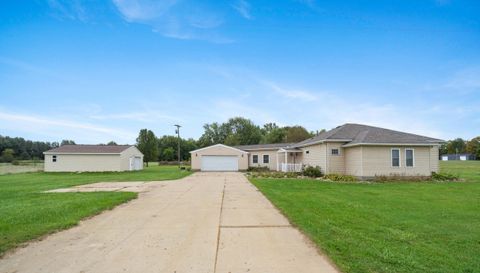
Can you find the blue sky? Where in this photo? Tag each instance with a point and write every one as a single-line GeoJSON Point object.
{"type": "Point", "coordinates": [95, 71]}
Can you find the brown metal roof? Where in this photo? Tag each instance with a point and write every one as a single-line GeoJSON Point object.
{"type": "Point", "coordinates": [89, 149]}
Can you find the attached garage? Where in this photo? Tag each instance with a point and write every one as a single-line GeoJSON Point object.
{"type": "Point", "coordinates": [219, 158]}
{"type": "Point", "coordinates": [93, 158]}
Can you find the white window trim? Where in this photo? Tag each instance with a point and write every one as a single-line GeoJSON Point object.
{"type": "Point", "coordinates": [263, 159]}
{"type": "Point", "coordinates": [253, 162]}
{"type": "Point", "coordinates": [54, 158]}
{"type": "Point", "coordinates": [331, 151]}
{"type": "Point", "coordinates": [399, 158]}
{"type": "Point", "coordinates": [413, 157]}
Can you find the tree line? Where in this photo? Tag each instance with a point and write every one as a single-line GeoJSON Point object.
{"type": "Point", "coordinates": [461, 146]}
{"type": "Point", "coordinates": [18, 148]}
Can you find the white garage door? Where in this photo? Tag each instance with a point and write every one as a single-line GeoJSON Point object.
{"type": "Point", "coordinates": [219, 163]}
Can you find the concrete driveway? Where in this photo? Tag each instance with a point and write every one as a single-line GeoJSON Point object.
{"type": "Point", "coordinates": [207, 222]}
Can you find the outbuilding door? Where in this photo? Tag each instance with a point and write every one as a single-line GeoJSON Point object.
{"type": "Point", "coordinates": [135, 163]}
{"type": "Point", "coordinates": [219, 163]}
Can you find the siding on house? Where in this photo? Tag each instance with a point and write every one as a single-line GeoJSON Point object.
{"type": "Point", "coordinates": [377, 161]}
{"type": "Point", "coordinates": [272, 165]}
{"type": "Point", "coordinates": [335, 163]}
{"type": "Point", "coordinates": [219, 150]}
{"type": "Point", "coordinates": [316, 156]}
{"type": "Point", "coordinates": [353, 161]}
{"type": "Point", "coordinates": [434, 154]}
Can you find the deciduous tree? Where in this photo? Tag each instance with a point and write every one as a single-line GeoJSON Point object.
{"type": "Point", "coordinates": [147, 144]}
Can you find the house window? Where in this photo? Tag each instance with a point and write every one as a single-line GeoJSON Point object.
{"type": "Point", "coordinates": [266, 159]}
{"type": "Point", "coordinates": [255, 158]}
{"type": "Point", "coordinates": [335, 152]}
{"type": "Point", "coordinates": [395, 157]}
{"type": "Point", "coordinates": [54, 158]}
{"type": "Point", "coordinates": [409, 157]}
{"type": "Point", "coordinates": [307, 152]}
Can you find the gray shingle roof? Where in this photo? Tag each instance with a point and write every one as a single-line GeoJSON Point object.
{"type": "Point", "coordinates": [363, 134]}
{"type": "Point", "coordinates": [90, 149]}
{"type": "Point", "coordinates": [273, 146]}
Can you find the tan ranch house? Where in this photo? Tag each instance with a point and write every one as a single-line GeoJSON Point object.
{"type": "Point", "coordinates": [93, 158]}
{"type": "Point", "coordinates": [354, 149]}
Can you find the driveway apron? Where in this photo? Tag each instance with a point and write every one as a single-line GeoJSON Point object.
{"type": "Point", "coordinates": [207, 222]}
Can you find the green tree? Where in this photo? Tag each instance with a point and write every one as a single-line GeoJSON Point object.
{"type": "Point", "coordinates": [113, 143]}
{"type": "Point", "coordinates": [236, 131]}
{"type": "Point", "coordinates": [213, 134]}
{"type": "Point", "coordinates": [456, 146]}
{"type": "Point", "coordinates": [296, 134]}
{"type": "Point", "coordinates": [67, 142]}
{"type": "Point", "coordinates": [186, 145]}
{"type": "Point", "coordinates": [8, 155]}
{"type": "Point", "coordinates": [473, 147]}
{"type": "Point", "coordinates": [241, 131]}
{"type": "Point", "coordinates": [147, 144]}
{"type": "Point", "coordinates": [271, 133]}
{"type": "Point", "coordinates": [168, 154]}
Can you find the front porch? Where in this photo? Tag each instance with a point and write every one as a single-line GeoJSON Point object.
{"type": "Point", "coordinates": [289, 160]}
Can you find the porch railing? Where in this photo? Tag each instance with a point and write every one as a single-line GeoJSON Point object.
{"type": "Point", "coordinates": [291, 167]}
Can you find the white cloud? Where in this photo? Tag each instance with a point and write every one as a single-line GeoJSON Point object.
{"type": "Point", "coordinates": [71, 9]}
{"type": "Point", "coordinates": [291, 93]}
{"type": "Point", "coordinates": [146, 116]}
{"type": "Point", "coordinates": [243, 8]}
{"type": "Point", "coordinates": [174, 19]}
{"type": "Point", "coordinates": [59, 128]}
{"type": "Point", "coordinates": [467, 79]}
{"type": "Point", "coordinates": [143, 10]}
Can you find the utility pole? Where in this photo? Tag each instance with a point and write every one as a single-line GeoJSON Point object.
{"type": "Point", "coordinates": [177, 131]}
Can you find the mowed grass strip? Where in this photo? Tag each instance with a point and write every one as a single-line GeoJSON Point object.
{"type": "Point", "coordinates": [27, 213]}
{"type": "Point", "coordinates": [389, 227]}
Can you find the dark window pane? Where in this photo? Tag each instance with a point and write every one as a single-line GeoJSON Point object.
{"type": "Point", "coordinates": [409, 158]}
{"type": "Point", "coordinates": [396, 158]}
{"type": "Point", "coordinates": [266, 159]}
{"type": "Point", "coordinates": [255, 158]}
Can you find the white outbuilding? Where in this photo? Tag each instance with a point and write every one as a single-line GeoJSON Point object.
{"type": "Point", "coordinates": [93, 158]}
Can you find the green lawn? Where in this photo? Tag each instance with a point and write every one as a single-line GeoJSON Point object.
{"type": "Point", "coordinates": [26, 213]}
{"type": "Point", "coordinates": [389, 227]}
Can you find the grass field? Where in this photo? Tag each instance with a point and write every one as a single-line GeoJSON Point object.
{"type": "Point", "coordinates": [388, 227]}
{"type": "Point", "coordinates": [26, 213]}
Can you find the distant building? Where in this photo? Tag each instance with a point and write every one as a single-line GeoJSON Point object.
{"type": "Point", "coordinates": [463, 157]}
{"type": "Point", "coordinates": [93, 158]}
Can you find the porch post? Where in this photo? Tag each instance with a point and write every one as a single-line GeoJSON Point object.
{"type": "Point", "coordinates": [286, 161]}
{"type": "Point", "coordinates": [278, 163]}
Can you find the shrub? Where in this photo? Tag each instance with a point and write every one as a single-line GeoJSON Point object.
{"type": "Point", "coordinates": [341, 177]}
{"type": "Point", "coordinates": [444, 177]}
{"type": "Point", "coordinates": [311, 171]}
{"type": "Point", "coordinates": [418, 178]}
{"type": "Point", "coordinates": [15, 162]}
{"type": "Point", "coordinates": [268, 174]}
{"type": "Point", "coordinates": [258, 169]}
